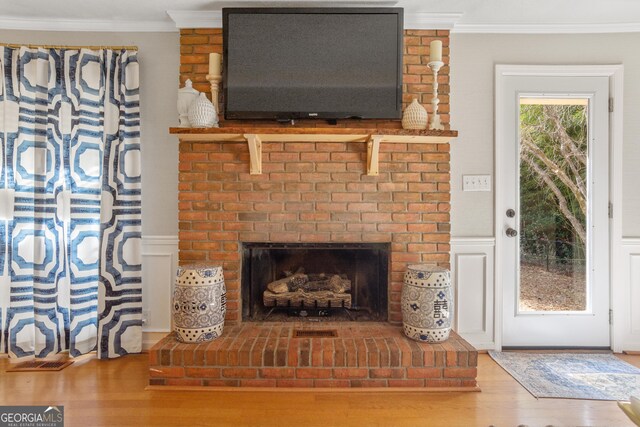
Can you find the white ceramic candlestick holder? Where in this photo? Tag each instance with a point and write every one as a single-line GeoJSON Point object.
{"type": "Point", "coordinates": [215, 88]}
{"type": "Point", "coordinates": [435, 124]}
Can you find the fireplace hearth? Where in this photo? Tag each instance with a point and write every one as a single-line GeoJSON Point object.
{"type": "Point", "coordinates": [315, 281]}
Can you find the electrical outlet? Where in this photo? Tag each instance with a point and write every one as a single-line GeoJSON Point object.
{"type": "Point", "coordinates": [145, 316]}
{"type": "Point", "coordinates": [476, 182]}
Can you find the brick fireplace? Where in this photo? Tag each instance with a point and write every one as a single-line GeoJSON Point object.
{"type": "Point", "coordinates": [315, 192]}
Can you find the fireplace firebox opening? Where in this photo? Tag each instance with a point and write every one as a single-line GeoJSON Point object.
{"type": "Point", "coordinates": [332, 281]}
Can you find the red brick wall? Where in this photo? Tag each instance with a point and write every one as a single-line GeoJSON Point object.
{"type": "Point", "coordinates": [313, 192]}
{"type": "Point", "coordinates": [316, 192]}
{"type": "Point", "coordinates": [196, 44]}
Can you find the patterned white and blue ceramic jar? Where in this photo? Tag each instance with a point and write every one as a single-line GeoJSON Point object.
{"type": "Point", "coordinates": [427, 303]}
{"type": "Point", "coordinates": [199, 303]}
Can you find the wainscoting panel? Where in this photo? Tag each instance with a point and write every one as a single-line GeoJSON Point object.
{"type": "Point", "coordinates": [629, 311]}
{"type": "Point", "coordinates": [159, 264]}
{"type": "Point", "coordinates": [472, 264]}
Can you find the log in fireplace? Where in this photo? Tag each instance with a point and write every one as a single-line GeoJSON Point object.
{"type": "Point", "coordinates": [338, 281]}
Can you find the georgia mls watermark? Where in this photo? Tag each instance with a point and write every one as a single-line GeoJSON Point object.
{"type": "Point", "coordinates": [31, 416]}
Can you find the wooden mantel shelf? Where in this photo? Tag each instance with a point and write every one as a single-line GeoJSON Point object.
{"type": "Point", "coordinates": [254, 136]}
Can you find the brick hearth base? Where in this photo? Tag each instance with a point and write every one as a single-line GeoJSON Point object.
{"type": "Point", "coordinates": [363, 354]}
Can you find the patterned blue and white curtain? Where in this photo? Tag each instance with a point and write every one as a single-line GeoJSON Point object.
{"type": "Point", "coordinates": [70, 202]}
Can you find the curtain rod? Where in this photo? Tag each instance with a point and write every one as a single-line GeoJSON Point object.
{"type": "Point", "coordinates": [47, 46]}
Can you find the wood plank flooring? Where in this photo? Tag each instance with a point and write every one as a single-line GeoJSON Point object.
{"type": "Point", "coordinates": [112, 393]}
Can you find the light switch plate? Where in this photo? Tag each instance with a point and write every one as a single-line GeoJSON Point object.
{"type": "Point", "coordinates": [476, 182]}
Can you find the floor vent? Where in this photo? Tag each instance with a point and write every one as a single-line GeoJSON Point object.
{"type": "Point", "coordinates": [40, 365]}
{"type": "Point", "coordinates": [315, 333]}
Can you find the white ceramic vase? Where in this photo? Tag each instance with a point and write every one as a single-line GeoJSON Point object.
{"type": "Point", "coordinates": [186, 96]}
{"type": "Point", "coordinates": [414, 116]}
{"type": "Point", "coordinates": [427, 303]}
{"type": "Point", "coordinates": [199, 303]}
{"type": "Point", "coordinates": [202, 113]}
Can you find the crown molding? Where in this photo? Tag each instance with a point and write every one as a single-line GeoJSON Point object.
{"type": "Point", "coordinates": [430, 21]}
{"type": "Point", "coordinates": [566, 28]}
{"type": "Point", "coordinates": [433, 21]}
{"type": "Point", "coordinates": [196, 18]}
{"type": "Point", "coordinates": [412, 20]}
{"type": "Point", "coordinates": [112, 26]}
{"type": "Point", "coordinates": [213, 19]}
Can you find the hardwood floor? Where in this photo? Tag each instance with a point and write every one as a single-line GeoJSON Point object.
{"type": "Point", "coordinates": [112, 393]}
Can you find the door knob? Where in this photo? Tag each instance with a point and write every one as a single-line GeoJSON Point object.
{"type": "Point", "coordinates": [511, 232]}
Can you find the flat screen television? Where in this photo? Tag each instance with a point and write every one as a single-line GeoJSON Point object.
{"type": "Point", "coordinates": [323, 63]}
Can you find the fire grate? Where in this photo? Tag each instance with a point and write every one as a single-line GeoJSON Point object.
{"type": "Point", "coordinates": [40, 365]}
{"type": "Point", "coordinates": [315, 333]}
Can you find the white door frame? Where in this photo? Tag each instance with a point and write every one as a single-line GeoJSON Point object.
{"type": "Point", "coordinates": [615, 75]}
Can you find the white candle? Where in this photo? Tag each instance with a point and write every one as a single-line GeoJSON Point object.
{"type": "Point", "coordinates": [215, 64]}
{"type": "Point", "coordinates": [435, 51]}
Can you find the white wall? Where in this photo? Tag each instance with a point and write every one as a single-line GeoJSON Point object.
{"type": "Point", "coordinates": [473, 61]}
{"type": "Point", "coordinates": [159, 58]}
{"type": "Point", "coordinates": [473, 58]}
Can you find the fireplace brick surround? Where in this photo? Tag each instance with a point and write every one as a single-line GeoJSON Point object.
{"type": "Point", "coordinates": [313, 192]}
{"type": "Point", "coordinates": [316, 192]}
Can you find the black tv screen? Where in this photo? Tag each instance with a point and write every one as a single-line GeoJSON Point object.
{"type": "Point", "coordinates": [325, 63]}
